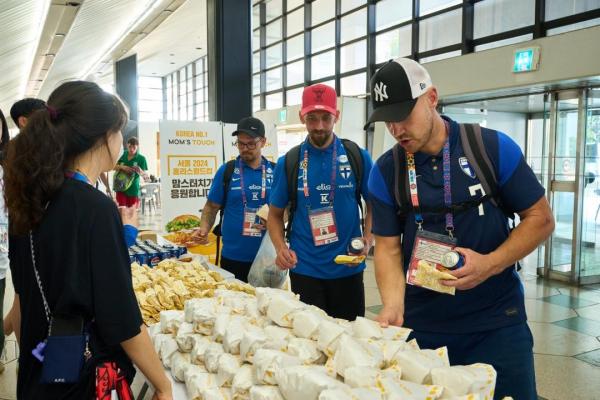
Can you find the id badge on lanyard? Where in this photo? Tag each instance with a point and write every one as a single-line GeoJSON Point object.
{"type": "Point", "coordinates": [322, 221]}
{"type": "Point", "coordinates": [251, 224]}
{"type": "Point", "coordinates": [323, 226]}
{"type": "Point", "coordinates": [431, 250]}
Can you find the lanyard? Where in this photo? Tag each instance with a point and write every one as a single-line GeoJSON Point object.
{"type": "Point", "coordinates": [263, 191]}
{"type": "Point", "coordinates": [333, 171]}
{"type": "Point", "coordinates": [414, 196]}
{"type": "Point", "coordinates": [78, 176]}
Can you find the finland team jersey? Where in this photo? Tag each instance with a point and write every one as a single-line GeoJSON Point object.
{"type": "Point", "coordinates": [495, 303]}
{"type": "Point", "coordinates": [235, 245]}
{"type": "Point", "coordinates": [317, 261]}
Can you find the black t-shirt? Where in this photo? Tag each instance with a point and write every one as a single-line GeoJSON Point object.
{"type": "Point", "coordinates": [84, 268]}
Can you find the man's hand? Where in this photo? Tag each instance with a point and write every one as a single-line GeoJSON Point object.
{"type": "Point", "coordinates": [477, 269]}
{"type": "Point", "coordinates": [391, 316]}
{"type": "Point", "coordinates": [286, 258]}
{"type": "Point", "coordinates": [129, 216]}
{"type": "Point", "coordinates": [200, 235]}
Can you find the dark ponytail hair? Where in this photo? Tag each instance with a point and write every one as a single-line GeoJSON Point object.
{"type": "Point", "coordinates": [78, 117]}
{"type": "Point", "coordinates": [5, 136]}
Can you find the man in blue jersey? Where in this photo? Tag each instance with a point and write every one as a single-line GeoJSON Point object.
{"type": "Point", "coordinates": [485, 320]}
{"type": "Point", "coordinates": [249, 189]}
{"type": "Point", "coordinates": [326, 215]}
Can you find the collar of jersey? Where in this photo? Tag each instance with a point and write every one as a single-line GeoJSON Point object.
{"type": "Point", "coordinates": [246, 166]}
{"type": "Point", "coordinates": [422, 158]}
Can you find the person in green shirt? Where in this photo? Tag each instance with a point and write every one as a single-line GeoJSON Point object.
{"type": "Point", "coordinates": [134, 165]}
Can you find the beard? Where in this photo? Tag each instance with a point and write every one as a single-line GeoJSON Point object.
{"type": "Point", "coordinates": [319, 138]}
{"type": "Point", "coordinates": [248, 157]}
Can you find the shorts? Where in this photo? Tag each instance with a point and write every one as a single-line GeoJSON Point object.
{"type": "Point", "coordinates": [340, 298]}
{"type": "Point", "coordinates": [127, 201]}
{"type": "Point", "coordinates": [509, 350]}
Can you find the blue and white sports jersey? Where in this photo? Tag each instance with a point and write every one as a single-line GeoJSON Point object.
{"type": "Point", "coordinates": [316, 261]}
{"type": "Point", "coordinates": [495, 303]}
{"type": "Point", "coordinates": [236, 246]}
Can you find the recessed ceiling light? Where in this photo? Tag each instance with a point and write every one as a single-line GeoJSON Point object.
{"type": "Point", "coordinates": [198, 48]}
{"type": "Point", "coordinates": [171, 54]}
{"type": "Point", "coordinates": [154, 73]}
{"type": "Point", "coordinates": [59, 35]}
{"type": "Point", "coordinates": [49, 55]}
{"type": "Point", "coordinates": [172, 62]}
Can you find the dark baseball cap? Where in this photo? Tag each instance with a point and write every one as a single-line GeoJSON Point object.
{"type": "Point", "coordinates": [395, 89]}
{"type": "Point", "coordinates": [250, 126]}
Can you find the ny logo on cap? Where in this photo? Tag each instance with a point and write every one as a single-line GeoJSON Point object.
{"type": "Point", "coordinates": [380, 91]}
{"type": "Point", "coordinates": [318, 94]}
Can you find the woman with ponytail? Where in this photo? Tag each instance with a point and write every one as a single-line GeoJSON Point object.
{"type": "Point", "coordinates": [69, 260]}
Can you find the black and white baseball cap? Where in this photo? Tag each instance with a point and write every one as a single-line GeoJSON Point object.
{"type": "Point", "coordinates": [250, 126]}
{"type": "Point", "coordinates": [395, 88]}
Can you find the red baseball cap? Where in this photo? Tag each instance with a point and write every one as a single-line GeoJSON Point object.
{"type": "Point", "coordinates": [319, 97]}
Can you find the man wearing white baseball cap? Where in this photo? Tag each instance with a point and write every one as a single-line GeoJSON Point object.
{"type": "Point", "coordinates": [442, 198]}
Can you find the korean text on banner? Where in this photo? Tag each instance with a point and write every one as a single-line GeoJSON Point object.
{"type": "Point", "coordinates": [190, 154]}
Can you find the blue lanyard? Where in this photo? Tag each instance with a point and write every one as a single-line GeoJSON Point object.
{"type": "Point", "coordinates": [414, 196]}
{"type": "Point", "coordinates": [78, 176]}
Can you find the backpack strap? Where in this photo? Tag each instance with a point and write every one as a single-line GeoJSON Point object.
{"type": "Point", "coordinates": [356, 164]}
{"type": "Point", "coordinates": [292, 158]}
{"type": "Point", "coordinates": [401, 185]}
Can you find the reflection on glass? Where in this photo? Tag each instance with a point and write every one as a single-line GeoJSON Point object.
{"type": "Point", "coordinates": [323, 65]}
{"type": "Point", "coordinates": [392, 12]}
{"type": "Point", "coordinates": [562, 237]}
{"type": "Point", "coordinates": [353, 56]}
{"type": "Point", "coordinates": [295, 73]}
{"type": "Point", "coordinates": [431, 6]}
{"type": "Point", "coordinates": [500, 16]}
{"type": "Point", "coordinates": [354, 85]}
{"type": "Point", "coordinates": [291, 4]}
{"type": "Point", "coordinates": [348, 5]}
{"type": "Point", "coordinates": [295, 22]}
{"type": "Point", "coordinates": [256, 40]}
{"type": "Point", "coordinates": [440, 31]}
{"type": "Point", "coordinates": [274, 32]}
{"type": "Point", "coordinates": [393, 44]}
{"type": "Point", "coordinates": [273, 79]}
{"type": "Point", "coordinates": [256, 84]}
{"type": "Point", "coordinates": [562, 8]}
{"type": "Point", "coordinates": [294, 96]}
{"type": "Point", "coordinates": [274, 56]}
{"type": "Point", "coordinates": [322, 10]}
{"type": "Point", "coordinates": [274, 101]}
{"type": "Point", "coordinates": [255, 103]}
{"type": "Point", "coordinates": [566, 140]}
{"type": "Point", "coordinates": [354, 25]}
{"type": "Point", "coordinates": [274, 9]}
{"type": "Point", "coordinates": [323, 37]}
{"type": "Point", "coordinates": [255, 16]}
{"type": "Point", "coordinates": [590, 237]}
{"type": "Point", "coordinates": [256, 61]}
{"type": "Point", "coordinates": [295, 48]}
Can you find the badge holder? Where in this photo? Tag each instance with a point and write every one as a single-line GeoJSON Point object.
{"type": "Point", "coordinates": [323, 226]}
{"type": "Point", "coordinates": [252, 225]}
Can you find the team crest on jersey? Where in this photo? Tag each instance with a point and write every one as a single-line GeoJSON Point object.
{"type": "Point", "coordinates": [343, 158]}
{"type": "Point", "coordinates": [466, 167]}
{"type": "Point", "coordinates": [236, 171]}
{"type": "Point", "coordinates": [345, 171]}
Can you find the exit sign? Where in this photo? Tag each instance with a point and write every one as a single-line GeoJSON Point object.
{"type": "Point", "coordinates": [283, 115]}
{"type": "Point", "coordinates": [526, 60]}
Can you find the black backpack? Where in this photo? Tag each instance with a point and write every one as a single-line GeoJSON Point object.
{"type": "Point", "coordinates": [476, 153]}
{"type": "Point", "coordinates": [292, 159]}
{"type": "Point", "coordinates": [229, 168]}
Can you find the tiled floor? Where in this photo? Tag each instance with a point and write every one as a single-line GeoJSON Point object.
{"type": "Point", "coordinates": [565, 322]}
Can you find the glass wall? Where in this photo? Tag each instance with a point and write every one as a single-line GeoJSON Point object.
{"type": "Point", "coordinates": [299, 42]}
{"type": "Point", "coordinates": [186, 92]}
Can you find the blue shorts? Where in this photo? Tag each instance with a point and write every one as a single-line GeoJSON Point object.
{"type": "Point", "coordinates": [509, 350]}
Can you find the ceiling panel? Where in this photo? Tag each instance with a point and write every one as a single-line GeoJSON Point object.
{"type": "Point", "coordinates": [98, 26]}
{"type": "Point", "coordinates": [19, 31]}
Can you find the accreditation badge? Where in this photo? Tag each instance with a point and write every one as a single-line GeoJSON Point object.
{"type": "Point", "coordinates": [251, 223]}
{"type": "Point", "coordinates": [426, 268]}
{"type": "Point", "coordinates": [322, 226]}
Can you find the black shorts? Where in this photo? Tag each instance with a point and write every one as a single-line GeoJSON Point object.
{"type": "Point", "coordinates": [340, 298]}
{"type": "Point", "coordinates": [238, 268]}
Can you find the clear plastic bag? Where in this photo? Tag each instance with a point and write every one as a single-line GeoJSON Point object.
{"type": "Point", "coordinates": [264, 272]}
